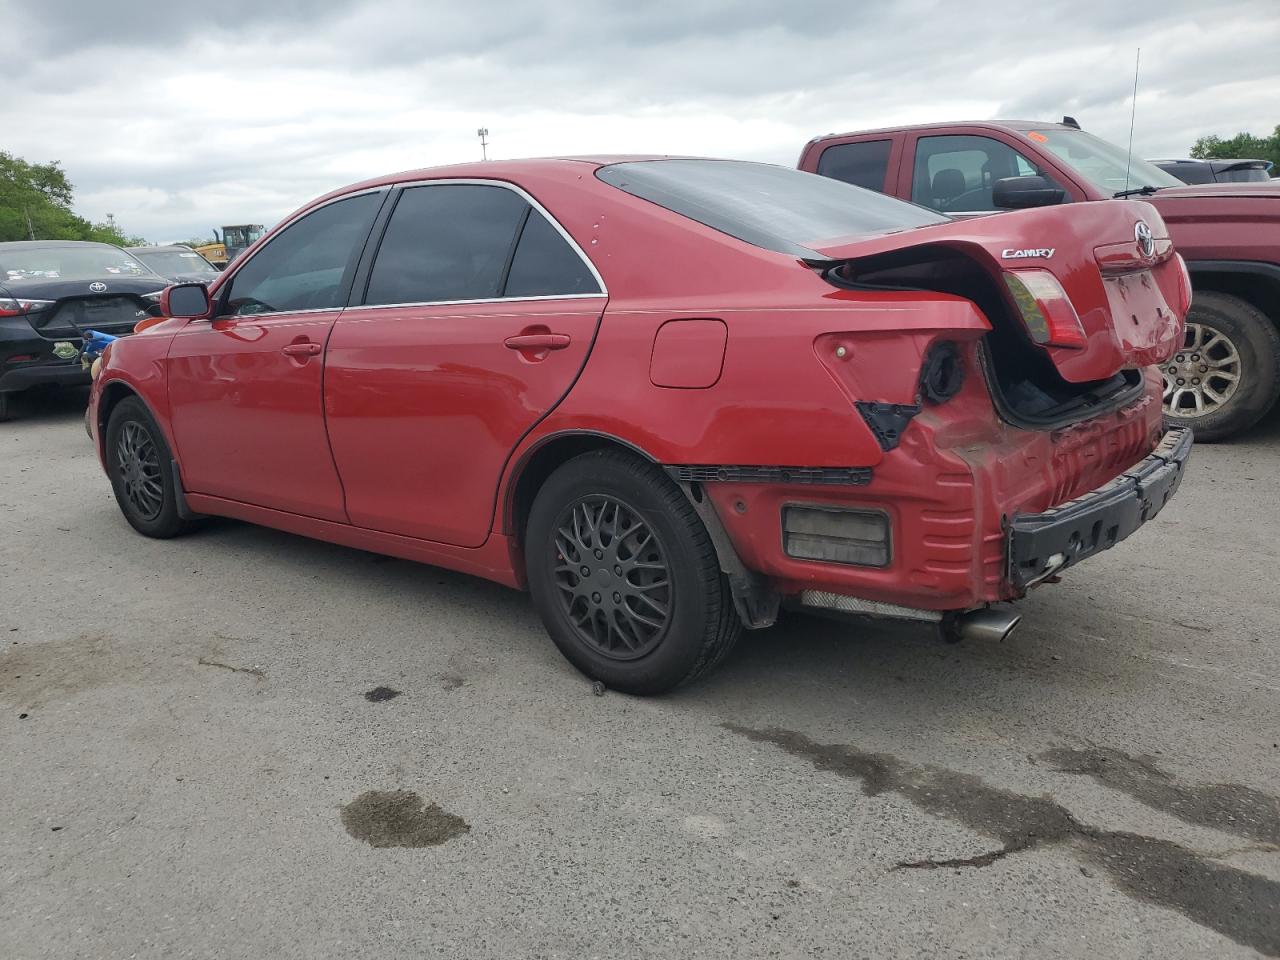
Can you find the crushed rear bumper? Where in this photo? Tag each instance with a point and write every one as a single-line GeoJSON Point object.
{"type": "Point", "coordinates": [1043, 544]}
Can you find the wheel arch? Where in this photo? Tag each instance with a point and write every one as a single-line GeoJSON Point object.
{"type": "Point", "coordinates": [1254, 282]}
{"type": "Point", "coordinates": [541, 460]}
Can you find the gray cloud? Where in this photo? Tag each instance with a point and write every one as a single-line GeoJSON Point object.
{"type": "Point", "coordinates": [176, 118]}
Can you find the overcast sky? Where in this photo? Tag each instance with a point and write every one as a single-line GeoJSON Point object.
{"type": "Point", "coordinates": [181, 116]}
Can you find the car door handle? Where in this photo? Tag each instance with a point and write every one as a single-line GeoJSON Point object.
{"type": "Point", "coordinates": [538, 341]}
{"type": "Point", "coordinates": [302, 349]}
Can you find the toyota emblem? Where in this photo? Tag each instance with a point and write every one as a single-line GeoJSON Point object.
{"type": "Point", "coordinates": [99, 287]}
{"type": "Point", "coordinates": [1146, 241]}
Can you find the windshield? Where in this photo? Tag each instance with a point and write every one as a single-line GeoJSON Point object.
{"type": "Point", "coordinates": [71, 263]}
{"type": "Point", "coordinates": [170, 263]}
{"type": "Point", "coordinates": [241, 236]}
{"type": "Point", "coordinates": [1102, 164]}
{"type": "Point", "coordinates": [771, 207]}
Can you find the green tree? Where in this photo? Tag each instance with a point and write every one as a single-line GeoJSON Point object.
{"type": "Point", "coordinates": [1243, 146]}
{"type": "Point", "coordinates": [35, 204]}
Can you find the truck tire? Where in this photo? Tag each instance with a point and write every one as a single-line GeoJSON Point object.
{"type": "Point", "coordinates": [1226, 376]}
{"type": "Point", "coordinates": [624, 576]}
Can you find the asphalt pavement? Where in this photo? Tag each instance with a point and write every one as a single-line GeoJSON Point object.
{"type": "Point", "coordinates": [243, 743]}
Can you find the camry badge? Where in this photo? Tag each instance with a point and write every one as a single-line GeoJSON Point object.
{"type": "Point", "coordinates": [98, 287]}
{"type": "Point", "coordinates": [65, 350]}
{"type": "Point", "coordinates": [1012, 254]}
{"type": "Point", "coordinates": [1146, 240]}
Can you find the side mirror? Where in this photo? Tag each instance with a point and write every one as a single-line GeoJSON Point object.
{"type": "Point", "coordinates": [1019, 193]}
{"type": "Point", "coordinates": [185, 300]}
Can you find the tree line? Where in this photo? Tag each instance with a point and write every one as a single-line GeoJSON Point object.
{"type": "Point", "coordinates": [1243, 146]}
{"type": "Point", "coordinates": [35, 204]}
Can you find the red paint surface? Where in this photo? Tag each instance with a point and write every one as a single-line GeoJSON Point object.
{"type": "Point", "coordinates": [688, 354]}
{"type": "Point", "coordinates": [408, 432]}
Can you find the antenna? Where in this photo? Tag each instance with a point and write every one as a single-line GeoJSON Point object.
{"type": "Point", "coordinates": [484, 144]}
{"type": "Point", "coordinates": [1133, 112]}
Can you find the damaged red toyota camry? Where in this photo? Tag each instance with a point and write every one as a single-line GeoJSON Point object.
{"type": "Point", "coordinates": [667, 396]}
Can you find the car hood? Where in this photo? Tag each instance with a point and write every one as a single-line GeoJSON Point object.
{"type": "Point", "coordinates": [1212, 190]}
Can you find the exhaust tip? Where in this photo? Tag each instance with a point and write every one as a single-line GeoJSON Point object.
{"type": "Point", "coordinates": [989, 624]}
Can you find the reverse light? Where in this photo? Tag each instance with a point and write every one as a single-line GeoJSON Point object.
{"type": "Point", "coordinates": [11, 307]}
{"type": "Point", "coordinates": [1046, 309]}
{"type": "Point", "coordinates": [836, 535]}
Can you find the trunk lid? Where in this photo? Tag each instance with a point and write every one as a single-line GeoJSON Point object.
{"type": "Point", "coordinates": [68, 307]}
{"type": "Point", "coordinates": [1114, 263]}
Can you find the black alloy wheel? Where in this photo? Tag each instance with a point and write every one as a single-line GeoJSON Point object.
{"type": "Point", "coordinates": [624, 575]}
{"type": "Point", "coordinates": [141, 470]}
{"type": "Point", "coordinates": [138, 466]}
{"type": "Point", "coordinates": [611, 570]}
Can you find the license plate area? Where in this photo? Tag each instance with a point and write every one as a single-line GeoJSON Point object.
{"type": "Point", "coordinates": [1145, 325]}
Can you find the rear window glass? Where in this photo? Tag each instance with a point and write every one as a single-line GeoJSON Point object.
{"type": "Point", "coordinates": [771, 207]}
{"type": "Point", "coordinates": [863, 164]}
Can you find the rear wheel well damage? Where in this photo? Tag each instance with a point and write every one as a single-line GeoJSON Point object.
{"type": "Point", "coordinates": [756, 604]}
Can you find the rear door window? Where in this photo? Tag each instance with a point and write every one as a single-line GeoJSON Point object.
{"type": "Point", "coordinates": [864, 164]}
{"type": "Point", "coordinates": [955, 174]}
{"type": "Point", "coordinates": [308, 265]}
{"type": "Point", "coordinates": [448, 241]}
{"type": "Point", "coordinates": [545, 265]}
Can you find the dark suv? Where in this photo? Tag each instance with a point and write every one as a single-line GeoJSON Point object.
{"type": "Point", "coordinates": [1227, 376]}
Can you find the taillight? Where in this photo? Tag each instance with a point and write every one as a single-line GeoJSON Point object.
{"type": "Point", "coordinates": [1184, 285]}
{"type": "Point", "coordinates": [10, 307]}
{"type": "Point", "coordinates": [1045, 307]}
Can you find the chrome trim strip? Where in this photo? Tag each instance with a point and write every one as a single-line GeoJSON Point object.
{"type": "Point", "coordinates": [449, 303]}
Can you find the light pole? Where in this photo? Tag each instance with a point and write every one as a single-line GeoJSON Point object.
{"type": "Point", "coordinates": [484, 144]}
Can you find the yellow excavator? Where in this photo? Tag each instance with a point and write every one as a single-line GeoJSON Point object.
{"type": "Point", "coordinates": [235, 239]}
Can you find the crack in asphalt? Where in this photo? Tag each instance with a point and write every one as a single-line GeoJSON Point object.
{"type": "Point", "coordinates": [1236, 903]}
{"type": "Point", "coordinates": [252, 671]}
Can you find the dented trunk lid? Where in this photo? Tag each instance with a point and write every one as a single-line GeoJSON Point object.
{"type": "Point", "coordinates": [1114, 262]}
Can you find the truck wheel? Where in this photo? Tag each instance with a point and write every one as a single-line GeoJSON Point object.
{"type": "Point", "coordinates": [625, 577]}
{"type": "Point", "coordinates": [138, 464]}
{"type": "Point", "coordinates": [1226, 375]}
{"type": "Point", "coordinates": [6, 410]}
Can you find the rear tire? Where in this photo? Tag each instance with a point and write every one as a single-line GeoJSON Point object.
{"type": "Point", "coordinates": [652, 610]}
{"type": "Point", "coordinates": [139, 464]}
{"type": "Point", "coordinates": [6, 409]}
{"type": "Point", "coordinates": [1233, 350]}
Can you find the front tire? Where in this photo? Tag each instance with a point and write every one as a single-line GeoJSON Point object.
{"type": "Point", "coordinates": [1226, 375]}
{"type": "Point", "coordinates": [624, 576]}
{"type": "Point", "coordinates": [139, 465]}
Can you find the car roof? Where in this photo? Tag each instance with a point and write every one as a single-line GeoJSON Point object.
{"type": "Point", "coordinates": [1017, 126]}
{"type": "Point", "coordinates": [156, 247]}
{"type": "Point", "coordinates": [52, 244]}
{"type": "Point", "coordinates": [569, 167]}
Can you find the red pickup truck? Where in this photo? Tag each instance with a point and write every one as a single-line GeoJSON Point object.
{"type": "Point", "coordinates": [1227, 376]}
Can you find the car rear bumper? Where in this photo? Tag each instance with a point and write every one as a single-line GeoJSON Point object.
{"type": "Point", "coordinates": [950, 495]}
{"type": "Point", "coordinates": [1043, 544]}
{"type": "Point", "coordinates": [36, 373]}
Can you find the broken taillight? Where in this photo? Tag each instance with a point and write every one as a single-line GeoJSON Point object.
{"type": "Point", "coordinates": [12, 307]}
{"type": "Point", "coordinates": [1045, 307]}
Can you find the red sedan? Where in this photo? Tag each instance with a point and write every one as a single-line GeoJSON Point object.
{"type": "Point", "coordinates": [667, 396]}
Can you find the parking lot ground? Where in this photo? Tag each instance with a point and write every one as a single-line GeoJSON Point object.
{"type": "Point", "coordinates": [246, 744]}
